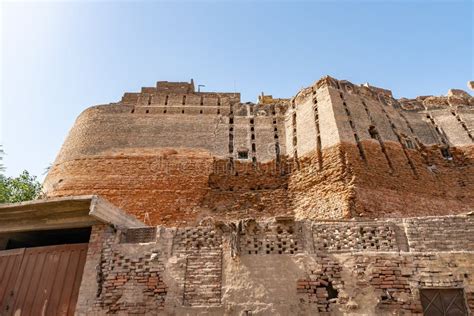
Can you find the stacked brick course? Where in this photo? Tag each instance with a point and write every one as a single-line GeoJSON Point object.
{"type": "Point", "coordinates": [272, 204]}
{"type": "Point", "coordinates": [449, 233]}
{"type": "Point", "coordinates": [132, 284]}
{"type": "Point", "coordinates": [337, 150]}
{"type": "Point", "coordinates": [322, 284]}
{"type": "Point", "coordinates": [192, 269]}
{"type": "Point", "coordinates": [202, 249]}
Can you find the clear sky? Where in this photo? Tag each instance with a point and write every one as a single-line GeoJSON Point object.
{"type": "Point", "coordinates": [57, 58]}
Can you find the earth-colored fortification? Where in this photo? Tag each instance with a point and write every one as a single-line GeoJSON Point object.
{"type": "Point", "coordinates": [341, 200]}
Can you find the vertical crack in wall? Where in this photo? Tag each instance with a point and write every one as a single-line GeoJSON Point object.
{"type": "Point", "coordinates": [419, 145]}
{"type": "Point", "coordinates": [463, 124]}
{"type": "Point", "coordinates": [231, 137]}
{"type": "Point", "coordinates": [294, 133]}
{"type": "Point", "coordinates": [318, 131]}
{"type": "Point", "coordinates": [397, 134]}
{"type": "Point", "coordinates": [354, 131]}
{"type": "Point", "coordinates": [377, 136]}
{"type": "Point", "coordinates": [253, 145]}
{"type": "Point", "coordinates": [276, 137]}
{"type": "Point", "coordinates": [441, 136]}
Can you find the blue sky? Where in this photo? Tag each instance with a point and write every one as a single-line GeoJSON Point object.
{"type": "Point", "coordinates": [57, 58]}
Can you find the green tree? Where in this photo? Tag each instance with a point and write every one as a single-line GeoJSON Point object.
{"type": "Point", "coordinates": [2, 167]}
{"type": "Point", "coordinates": [25, 187]}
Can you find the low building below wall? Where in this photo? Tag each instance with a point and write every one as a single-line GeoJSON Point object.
{"type": "Point", "coordinates": [283, 267]}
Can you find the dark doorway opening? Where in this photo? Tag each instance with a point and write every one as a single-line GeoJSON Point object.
{"type": "Point", "coordinates": [41, 238]}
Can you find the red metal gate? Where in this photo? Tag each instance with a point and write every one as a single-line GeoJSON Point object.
{"type": "Point", "coordinates": [41, 280]}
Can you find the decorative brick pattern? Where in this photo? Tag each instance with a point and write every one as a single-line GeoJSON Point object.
{"type": "Point", "coordinates": [198, 238]}
{"type": "Point", "coordinates": [131, 284]}
{"type": "Point", "coordinates": [125, 278]}
{"type": "Point", "coordinates": [353, 236]}
{"type": "Point", "coordinates": [271, 238]}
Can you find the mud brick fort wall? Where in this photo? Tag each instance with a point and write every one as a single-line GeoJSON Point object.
{"type": "Point", "coordinates": [279, 266]}
{"type": "Point", "coordinates": [340, 200]}
{"type": "Point", "coordinates": [171, 155]}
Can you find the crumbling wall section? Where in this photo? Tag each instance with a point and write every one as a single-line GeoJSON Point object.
{"type": "Point", "coordinates": [277, 266]}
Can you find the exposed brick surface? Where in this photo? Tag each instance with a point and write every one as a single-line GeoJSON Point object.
{"type": "Point", "coordinates": [225, 266]}
{"type": "Point", "coordinates": [449, 233]}
{"type": "Point", "coordinates": [170, 155]}
{"type": "Point", "coordinates": [202, 249]}
{"type": "Point", "coordinates": [314, 204]}
{"type": "Point", "coordinates": [339, 237]}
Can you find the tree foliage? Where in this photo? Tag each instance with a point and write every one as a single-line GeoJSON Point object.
{"type": "Point", "coordinates": [2, 152]}
{"type": "Point", "coordinates": [25, 187]}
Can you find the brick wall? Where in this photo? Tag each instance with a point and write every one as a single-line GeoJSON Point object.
{"type": "Point", "coordinates": [346, 151]}
{"type": "Point", "coordinates": [449, 233]}
{"type": "Point", "coordinates": [277, 266]}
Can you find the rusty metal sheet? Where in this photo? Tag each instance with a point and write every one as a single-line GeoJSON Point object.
{"type": "Point", "coordinates": [47, 280]}
{"type": "Point", "coordinates": [10, 262]}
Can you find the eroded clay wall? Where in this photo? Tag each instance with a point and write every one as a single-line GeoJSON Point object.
{"type": "Point", "coordinates": [389, 171]}
{"type": "Point", "coordinates": [278, 267]}
{"type": "Point", "coordinates": [114, 127]}
{"type": "Point", "coordinates": [336, 150]}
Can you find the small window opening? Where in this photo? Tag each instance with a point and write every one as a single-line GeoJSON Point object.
{"type": "Point", "coordinates": [254, 147]}
{"type": "Point", "coordinates": [251, 121]}
{"type": "Point", "coordinates": [164, 111]}
{"type": "Point", "coordinates": [133, 111]}
{"type": "Point", "coordinates": [252, 136]}
{"type": "Point", "coordinates": [184, 99]}
{"type": "Point", "coordinates": [147, 111]}
{"type": "Point", "coordinates": [166, 100]}
{"type": "Point", "coordinates": [200, 112]}
{"type": "Point", "coordinates": [446, 153]}
{"type": "Point", "coordinates": [373, 132]}
{"type": "Point", "coordinates": [231, 120]}
{"type": "Point", "coordinates": [409, 144]}
{"type": "Point", "coordinates": [241, 154]}
{"type": "Point", "coordinates": [202, 100]}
